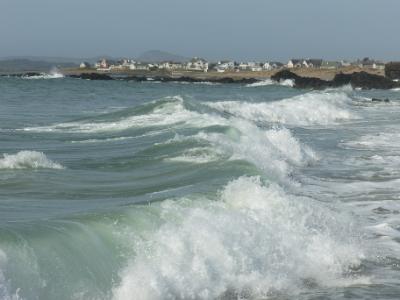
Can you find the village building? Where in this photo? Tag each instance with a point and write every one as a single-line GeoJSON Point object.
{"type": "Point", "coordinates": [295, 63]}
{"type": "Point", "coordinates": [197, 64]}
{"type": "Point", "coordinates": [104, 63]}
{"type": "Point", "coordinates": [345, 63]}
{"type": "Point", "coordinates": [314, 63]}
{"type": "Point", "coordinates": [84, 65]}
{"type": "Point", "coordinates": [170, 66]}
{"type": "Point", "coordinates": [223, 66]}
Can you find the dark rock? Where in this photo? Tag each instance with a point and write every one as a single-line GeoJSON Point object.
{"type": "Point", "coordinates": [392, 70]}
{"type": "Point", "coordinates": [301, 82]}
{"type": "Point", "coordinates": [341, 79]}
{"type": "Point", "coordinates": [380, 100]}
{"type": "Point", "coordinates": [361, 80]}
{"type": "Point", "coordinates": [225, 80]}
{"type": "Point", "coordinates": [92, 76]}
{"type": "Point", "coordinates": [30, 74]}
{"type": "Point", "coordinates": [368, 81]}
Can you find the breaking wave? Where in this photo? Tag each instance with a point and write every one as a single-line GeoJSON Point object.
{"type": "Point", "coordinates": [53, 74]}
{"type": "Point", "coordinates": [255, 241]}
{"type": "Point", "coordinates": [308, 109]}
{"type": "Point", "coordinates": [266, 82]}
{"type": "Point", "coordinates": [167, 112]}
{"type": "Point", "coordinates": [27, 160]}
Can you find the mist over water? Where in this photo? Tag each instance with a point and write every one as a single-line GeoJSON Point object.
{"type": "Point", "coordinates": [121, 190]}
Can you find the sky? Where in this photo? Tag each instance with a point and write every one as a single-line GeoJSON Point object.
{"type": "Point", "coordinates": [214, 29]}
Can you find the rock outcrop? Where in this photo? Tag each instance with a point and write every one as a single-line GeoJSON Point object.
{"type": "Point", "coordinates": [392, 70]}
{"type": "Point", "coordinates": [361, 80]}
{"type": "Point", "coordinates": [92, 76]}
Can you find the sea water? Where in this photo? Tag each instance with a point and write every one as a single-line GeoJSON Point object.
{"type": "Point", "coordinates": [124, 190]}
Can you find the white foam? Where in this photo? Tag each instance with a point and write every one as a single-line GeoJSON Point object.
{"type": "Point", "coordinates": [267, 82]}
{"type": "Point", "coordinates": [53, 74]}
{"type": "Point", "coordinates": [378, 141]}
{"type": "Point", "coordinates": [27, 160]}
{"type": "Point", "coordinates": [171, 112]}
{"type": "Point", "coordinates": [274, 151]}
{"type": "Point", "coordinates": [313, 108]}
{"type": "Point", "coordinates": [287, 82]}
{"type": "Point", "coordinates": [200, 155]}
{"type": "Point", "coordinates": [5, 293]}
{"type": "Point", "coordinates": [254, 241]}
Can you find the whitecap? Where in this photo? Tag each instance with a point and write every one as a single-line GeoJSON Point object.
{"type": "Point", "coordinates": [28, 160]}
{"type": "Point", "coordinates": [313, 108]}
{"type": "Point", "coordinates": [53, 74]}
{"type": "Point", "coordinates": [254, 241]}
{"type": "Point", "coordinates": [267, 82]}
{"type": "Point", "coordinates": [168, 113]}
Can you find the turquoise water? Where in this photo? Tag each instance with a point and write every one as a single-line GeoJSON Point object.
{"type": "Point", "coordinates": [123, 190]}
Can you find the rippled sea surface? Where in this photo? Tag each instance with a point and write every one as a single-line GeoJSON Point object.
{"type": "Point", "coordinates": [122, 190]}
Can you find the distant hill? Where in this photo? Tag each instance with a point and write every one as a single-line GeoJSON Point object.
{"type": "Point", "coordinates": [159, 56]}
{"type": "Point", "coordinates": [22, 64]}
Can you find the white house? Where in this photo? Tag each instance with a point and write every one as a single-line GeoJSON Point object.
{"type": "Point", "coordinates": [170, 66]}
{"type": "Point", "coordinates": [223, 66]}
{"type": "Point", "coordinates": [103, 63]}
{"type": "Point", "coordinates": [295, 63]}
{"type": "Point", "coordinates": [197, 64]}
{"type": "Point", "coordinates": [256, 68]}
{"type": "Point", "coordinates": [267, 66]}
{"type": "Point", "coordinates": [244, 66]}
{"type": "Point", "coordinates": [84, 65]}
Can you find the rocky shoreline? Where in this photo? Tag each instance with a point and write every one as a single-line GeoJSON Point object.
{"type": "Point", "coordinates": [362, 80]}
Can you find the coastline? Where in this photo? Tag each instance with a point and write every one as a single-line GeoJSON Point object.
{"type": "Point", "coordinates": [324, 74]}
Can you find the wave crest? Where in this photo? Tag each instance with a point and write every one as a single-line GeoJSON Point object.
{"type": "Point", "coordinates": [304, 110]}
{"type": "Point", "coordinates": [28, 160]}
{"type": "Point", "coordinates": [255, 241]}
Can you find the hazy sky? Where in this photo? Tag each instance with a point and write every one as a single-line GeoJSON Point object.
{"type": "Point", "coordinates": [237, 29]}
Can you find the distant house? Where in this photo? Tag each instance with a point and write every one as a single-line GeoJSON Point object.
{"type": "Point", "coordinates": [371, 64]}
{"type": "Point", "coordinates": [378, 65]}
{"type": "Point", "coordinates": [84, 65]}
{"type": "Point", "coordinates": [243, 66]}
{"type": "Point", "coordinates": [168, 65]}
{"type": "Point", "coordinates": [276, 65]}
{"type": "Point", "coordinates": [267, 66]}
{"type": "Point", "coordinates": [295, 63]}
{"type": "Point", "coordinates": [197, 64]}
{"type": "Point", "coordinates": [330, 65]}
{"type": "Point", "coordinates": [142, 66]}
{"type": "Point", "coordinates": [314, 63]}
{"type": "Point", "coordinates": [223, 66]}
{"type": "Point", "coordinates": [345, 63]}
{"type": "Point", "coordinates": [103, 63]}
{"type": "Point", "coordinates": [256, 68]}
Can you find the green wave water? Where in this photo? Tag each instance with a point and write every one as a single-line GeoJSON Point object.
{"type": "Point", "coordinates": [121, 190]}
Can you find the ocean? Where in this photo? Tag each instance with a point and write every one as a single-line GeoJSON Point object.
{"type": "Point", "coordinates": [126, 190]}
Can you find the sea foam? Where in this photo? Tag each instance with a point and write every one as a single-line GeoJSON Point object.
{"type": "Point", "coordinates": [27, 160]}
{"type": "Point", "coordinates": [256, 241]}
{"type": "Point", "coordinates": [267, 82]}
{"type": "Point", "coordinates": [170, 111]}
{"type": "Point", "coordinates": [314, 108]}
{"type": "Point", "coordinates": [53, 74]}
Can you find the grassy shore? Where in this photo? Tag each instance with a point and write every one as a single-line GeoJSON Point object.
{"type": "Point", "coordinates": [326, 74]}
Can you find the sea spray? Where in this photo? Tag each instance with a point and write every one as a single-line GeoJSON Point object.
{"type": "Point", "coordinates": [254, 242]}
